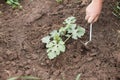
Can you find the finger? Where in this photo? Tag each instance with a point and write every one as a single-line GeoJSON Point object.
{"type": "Point", "coordinates": [96, 19]}
{"type": "Point", "coordinates": [91, 19]}
{"type": "Point", "coordinates": [87, 17]}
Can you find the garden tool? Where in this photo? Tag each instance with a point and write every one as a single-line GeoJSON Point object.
{"type": "Point", "coordinates": [90, 35]}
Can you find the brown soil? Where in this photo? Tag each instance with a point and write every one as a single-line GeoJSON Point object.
{"type": "Point", "coordinates": [23, 53]}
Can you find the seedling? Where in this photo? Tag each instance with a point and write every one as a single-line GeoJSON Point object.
{"type": "Point", "coordinates": [14, 3]}
{"type": "Point", "coordinates": [54, 41]}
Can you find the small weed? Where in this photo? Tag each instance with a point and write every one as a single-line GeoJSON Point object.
{"type": "Point", "coordinates": [59, 1]}
{"type": "Point", "coordinates": [116, 9]}
{"type": "Point", "coordinates": [24, 77]}
{"type": "Point", "coordinates": [0, 12]}
{"type": "Point", "coordinates": [78, 77]}
{"type": "Point", "coordinates": [54, 42]}
{"type": "Point", "coordinates": [14, 3]}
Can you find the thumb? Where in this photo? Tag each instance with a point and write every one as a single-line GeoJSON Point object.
{"type": "Point", "coordinates": [91, 19]}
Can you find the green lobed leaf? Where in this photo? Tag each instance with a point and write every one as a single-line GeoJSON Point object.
{"type": "Point", "coordinates": [81, 31]}
{"type": "Point", "coordinates": [53, 33]}
{"type": "Point", "coordinates": [56, 49]}
{"type": "Point", "coordinates": [51, 55]}
{"type": "Point", "coordinates": [71, 28]}
{"type": "Point", "coordinates": [74, 34]}
{"type": "Point", "coordinates": [70, 20]}
{"type": "Point", "coordinates": [61, 48]}
{"type": "Point", "coordinates": [46, 39]}
{"type": "Point", "coordinates": [62, 31]}
{"type": "Point", "coordinates": [51, 44]}
{"type": "Point", "coordinates": [78, 32]}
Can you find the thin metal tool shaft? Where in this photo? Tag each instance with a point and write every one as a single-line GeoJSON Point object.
{"type": "Point", "coordinates": [90, 37]}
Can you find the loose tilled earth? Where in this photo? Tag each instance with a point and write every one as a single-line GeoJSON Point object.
{"type": "Point", "coordinates": [22, 52]}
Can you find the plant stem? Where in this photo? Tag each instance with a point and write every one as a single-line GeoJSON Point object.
{"type": "Point", "coordinates": [67, 39]}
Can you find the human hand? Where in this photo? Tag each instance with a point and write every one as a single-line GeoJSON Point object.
{"type": "Point", "coordinates": [93, 11]}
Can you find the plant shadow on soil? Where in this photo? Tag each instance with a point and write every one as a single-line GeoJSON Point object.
{"type": "Point", "coordinates": [23, 53]}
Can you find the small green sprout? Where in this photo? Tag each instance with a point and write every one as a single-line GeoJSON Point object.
{"type": "Point", "coordinates": [116, 9]}
{"type": "Point", "coordinates": [14, 3]}
{"type": "Point", "coordinates": [24, 77]}
{"type": "Point", "coordinates": [78, 77]}
{"type": "Point", "coordinates": [54, 42]}
{"type": "Point", "coordinates": [59, 1]}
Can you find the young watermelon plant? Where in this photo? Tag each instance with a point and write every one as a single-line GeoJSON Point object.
{"type": "Point", "coordinates": [54, 41]}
